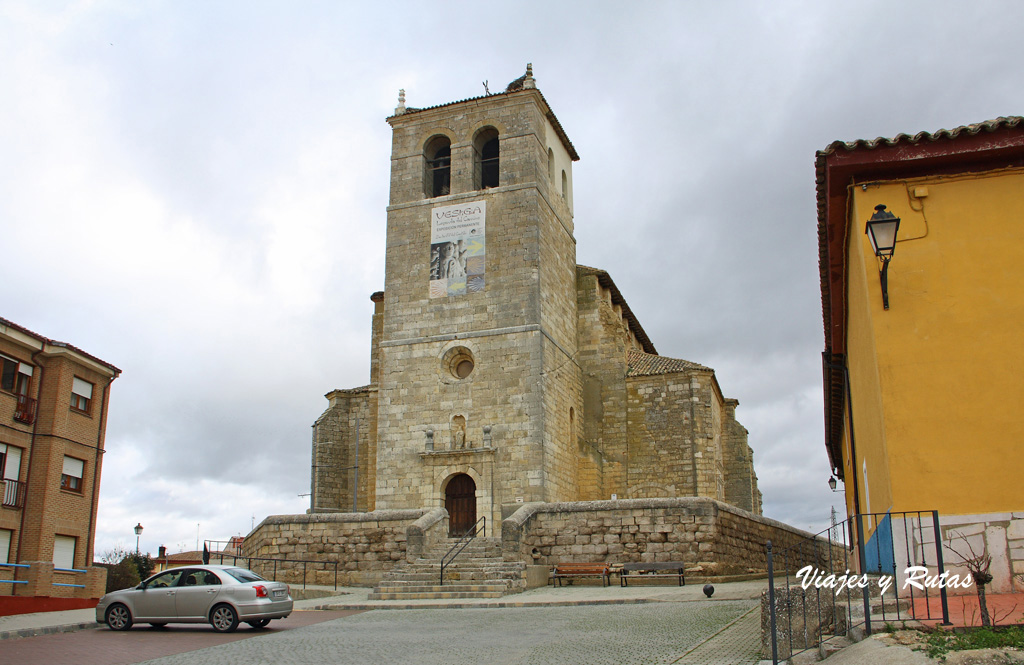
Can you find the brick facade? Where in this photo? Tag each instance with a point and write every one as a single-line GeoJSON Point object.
{"type": "Point", "coordinates": [46, 431]}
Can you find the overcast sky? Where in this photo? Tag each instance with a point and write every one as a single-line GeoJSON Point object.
{"type": "Point", "coordinates": [196, 192]}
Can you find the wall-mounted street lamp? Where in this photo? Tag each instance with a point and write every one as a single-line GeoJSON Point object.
{"type": "Point", "coordinates": [881, 230]}
{"type": "Point", "coordinates": [138, 533]}
{"type": "Point", "coordinates": [832, 484]}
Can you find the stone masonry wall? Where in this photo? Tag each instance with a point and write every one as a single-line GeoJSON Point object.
{"type": "Point", "coordinates": [364, 545]}
{"type": "Point", "coordinates": [662, 432]}
{"type": "Point", "coordinates": [334, 451]}
{"type": "Point", "coordinates": [601, 451]}
{"type": "Point", "coordinates": [1000, 535]}
{"type": "Point", "coordinates": [738, 463]}
{"type": "Point", "coordinates": [519, 330]}
{"type": "Point", "coordinates": [711, 537]}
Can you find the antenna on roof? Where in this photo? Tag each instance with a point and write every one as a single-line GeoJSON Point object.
{"type": "Point", "coordinates": [487, 90]}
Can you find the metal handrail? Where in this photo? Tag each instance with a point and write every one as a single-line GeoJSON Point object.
{"type": "Point", "coordinates": [26, 411]}
{"type": "Point", "coordinates": [462, 543]}
{"type": "Point", "coordinates": [14, 565]}
{"type": "Point", "coordinates": [14, 493]}
{"type": "Point", "coordinates": [221, 556]}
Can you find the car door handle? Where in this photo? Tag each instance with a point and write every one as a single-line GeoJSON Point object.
{"type": "Point", "coordinates": [211, 591]}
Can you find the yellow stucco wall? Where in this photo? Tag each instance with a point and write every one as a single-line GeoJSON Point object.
{"type": "Point", "coordinates": [937, 380]}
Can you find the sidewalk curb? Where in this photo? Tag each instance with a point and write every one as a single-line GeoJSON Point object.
{"type": "Point", "coordinates": [473, 606]}
{"type": "Point", "coordinates": [48, 630]}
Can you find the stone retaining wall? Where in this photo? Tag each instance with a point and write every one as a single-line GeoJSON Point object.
{"type": "Point", "coordinates": [364, 545]}
{"type": "Point", "coordinates": [714, 539]}
{"type": "Point", "coordinates": [711, 537]}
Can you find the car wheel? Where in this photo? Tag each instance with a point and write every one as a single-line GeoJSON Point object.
{"type": "Point", "coordinates": [118, 617]}
{"type": "Point", "coordinates": [224, 618]}
{"type": "Point", "coordinates": [258, 623]}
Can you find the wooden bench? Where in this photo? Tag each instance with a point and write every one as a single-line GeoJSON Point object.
{"type": "Point", "coordinates": [648, 571]}
{"type": "Point", "coordinates": [571, 571]}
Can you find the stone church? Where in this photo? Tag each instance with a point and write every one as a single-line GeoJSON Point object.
{"type": "Point", "coordinates": [501, 371]}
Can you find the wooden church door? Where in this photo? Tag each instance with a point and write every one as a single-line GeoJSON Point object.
{"type": "Point", "coordinates": [460, 502]}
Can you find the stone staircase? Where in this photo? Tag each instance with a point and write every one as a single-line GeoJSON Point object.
{"type": "Point", "coordinates": [478, 572]}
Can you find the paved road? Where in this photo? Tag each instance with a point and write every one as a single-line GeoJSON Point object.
{"type": "Point", "coordinates": [106, 647]}
{"type": "Point", "coordinates": [644, 634]}
{"type": "Point", "coordinates": [695, 632]}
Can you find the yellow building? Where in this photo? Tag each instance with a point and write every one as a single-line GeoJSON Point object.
{"type": "Point", "coordinates": [922, 392]}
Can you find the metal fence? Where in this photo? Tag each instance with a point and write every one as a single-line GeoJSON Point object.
{"type": "Point", "coordinates": [269, 566]}
{"type": "Point", "coordinates": [850, 575]}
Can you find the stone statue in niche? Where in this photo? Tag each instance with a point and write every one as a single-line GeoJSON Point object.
{"type": "Point", "coordinates": [458, 433]}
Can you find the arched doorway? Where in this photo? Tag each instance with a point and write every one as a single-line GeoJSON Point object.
{"type": "Point", "coordinates": [460, 502]}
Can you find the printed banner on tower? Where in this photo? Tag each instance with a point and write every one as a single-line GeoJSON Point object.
{"type": "Point", "coordinates": [457, 249]}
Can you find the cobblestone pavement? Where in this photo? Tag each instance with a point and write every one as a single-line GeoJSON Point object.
{"type": "Point", "coordinates": [646, 634]}
{"type": "Point", "coordinates": [739, 643]}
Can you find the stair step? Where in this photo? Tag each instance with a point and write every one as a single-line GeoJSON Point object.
{"type": "Point", "coordinates": [479, 571]}
{"type": "Point", "coordinates": [436, 588]}
{"type": "Point", "coordinates": [434, 595]}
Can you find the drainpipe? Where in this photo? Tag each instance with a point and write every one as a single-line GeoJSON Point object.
{"type": "Point", "coordinates": [853, 440]}
{"type": "Point", "coordinates": [100, 438]}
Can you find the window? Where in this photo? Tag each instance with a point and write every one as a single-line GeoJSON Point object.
{"type": "Point", "coordinates": [10, 372]}
{"type": "Point", "coordinates": [81, 395]}
{"type": "Point", "coordinates": [551, 166]}
{"type": "Point", "coordinates": [458, 362]}
{"type": "Point", "coordinates": [565, 187]}
{"type": "Point", "coordinates": [64, 551]}
{"type": "Point", "coordinates": [164, 580]}
{"type": "Point", "coordinates": [200, 578]}
{"type": "Point", "coordinates": [72, 474]}
{"type": "Point", "coordinates": [10, 467]}
{"type": "Point", "coordinates": [15, 376]}
{"type": "Point", "coordinates": [5, 545]}
{"type": "Point", "coordinates": [243, 575]}
{"type": "Point", "coordinates": [439, 166]}
{"type": "Point", "coordinates": [486, 149]}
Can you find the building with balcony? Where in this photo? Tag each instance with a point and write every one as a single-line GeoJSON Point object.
{"type": "Point", "coordinates": [922, 362]}
{"type": "Point", "coordinates": [53, 415]}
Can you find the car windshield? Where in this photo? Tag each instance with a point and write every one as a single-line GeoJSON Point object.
{"type": "Point", "coordinates": [243, 575]}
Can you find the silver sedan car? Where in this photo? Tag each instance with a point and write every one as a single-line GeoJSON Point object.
{"type": "Point", "coordinates": [224, 596]}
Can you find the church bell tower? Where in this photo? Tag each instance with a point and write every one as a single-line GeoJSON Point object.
{"type": "Point", "coordinates": [478, 386]}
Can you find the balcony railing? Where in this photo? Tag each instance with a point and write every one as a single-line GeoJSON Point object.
{"type": "Point", "coordinates": [14, 494]}
{"type": "Point", "coordinates": [26, 411]}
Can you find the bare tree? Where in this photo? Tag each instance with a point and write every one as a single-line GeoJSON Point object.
{"type": "Point", "coordinates": [978, 565]}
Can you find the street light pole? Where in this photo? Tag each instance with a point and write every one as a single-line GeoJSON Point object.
{"type": "Point", "coordinates": [138, 534]}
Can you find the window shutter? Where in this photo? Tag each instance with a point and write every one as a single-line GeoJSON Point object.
{"type": "Point", "coordinates": [25, 369]}
{"type": "Point", "coordinates": [5, 546]}
{"type": "Point", "coordinates": [64, 552]}
{"type": "Point", "coordinates": [13, 466]}
{"type": "Point", "coordinates": [73, 467]}
{"type": "Point", "coordinates": [83, 388]}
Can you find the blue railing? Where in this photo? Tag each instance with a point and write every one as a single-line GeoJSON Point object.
{"type": "Point", "coordinates": [13, 565]}
{"type": "Point", "coordinates": [56, 570]}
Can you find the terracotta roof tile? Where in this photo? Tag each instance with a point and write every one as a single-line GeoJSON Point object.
{"type": "Point", "coordinates": [63, 345]}
{"type": "Point", "coordinates": [922, 137]}
{"type": "Point", "coordinates": [639, 363]}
